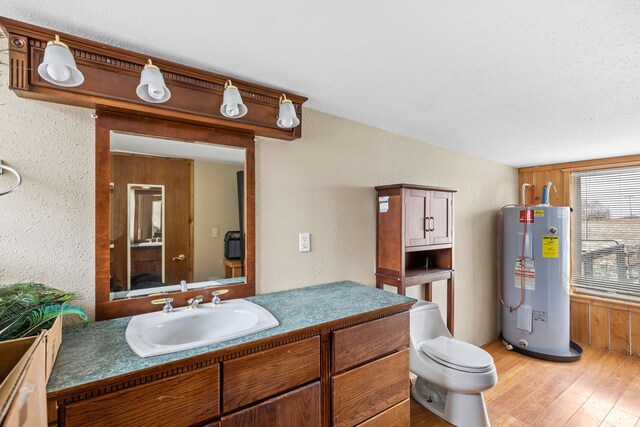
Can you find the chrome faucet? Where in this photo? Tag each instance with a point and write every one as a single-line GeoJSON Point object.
{"type": "Point", "coordinates": [194, 302]}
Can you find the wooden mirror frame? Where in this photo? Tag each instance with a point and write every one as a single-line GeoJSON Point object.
{"type": "Point", "coordinates": [109, 121]}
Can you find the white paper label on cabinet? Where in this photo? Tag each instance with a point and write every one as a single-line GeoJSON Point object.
{"type": "Point", "coordinates": [384, 203]}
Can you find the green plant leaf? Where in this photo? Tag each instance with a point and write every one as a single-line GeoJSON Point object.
{"type": "Point", "coordinates": [26, 308]}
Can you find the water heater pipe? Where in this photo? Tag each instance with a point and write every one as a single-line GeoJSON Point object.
{"type": "Point", "coordinates": [523, 201]}
{"type": "Point", "coordinates": [499, 281]}
{"type": "Point", "coordinates": [546, 193]}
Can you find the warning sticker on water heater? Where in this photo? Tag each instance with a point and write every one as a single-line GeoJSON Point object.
{"type": "Point", "coordinates": [550, 246]}
{"type": "Point", "coordinates": [525, 274]}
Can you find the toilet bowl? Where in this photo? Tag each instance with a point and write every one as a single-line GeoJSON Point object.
{"type": "Point", "coordinates": [451, 374]}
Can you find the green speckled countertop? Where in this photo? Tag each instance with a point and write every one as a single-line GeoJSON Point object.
{"type": "Point", "coordinates": [101, 351]}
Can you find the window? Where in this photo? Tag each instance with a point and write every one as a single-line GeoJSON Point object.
{"type": "Point", "coordinates": [606, 232]}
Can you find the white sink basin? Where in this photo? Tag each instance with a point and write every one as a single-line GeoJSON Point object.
{"type": "Point", "coordinates": [157, 333]}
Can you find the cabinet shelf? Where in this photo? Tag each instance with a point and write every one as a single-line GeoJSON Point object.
{"type": "Point", "coordinates": [428, 248]}
{"type": "Point", "coordinates": [417, 272]}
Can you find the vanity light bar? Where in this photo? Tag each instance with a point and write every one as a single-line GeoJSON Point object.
{"type": "Point", "coordinates": [58, 67]}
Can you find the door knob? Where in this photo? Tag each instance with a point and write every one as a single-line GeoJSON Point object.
{"type": "Point", "coordinates": [180, 257]}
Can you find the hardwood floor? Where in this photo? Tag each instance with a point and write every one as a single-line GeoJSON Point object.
{"type": "Point", "coordinates": [601, 389]}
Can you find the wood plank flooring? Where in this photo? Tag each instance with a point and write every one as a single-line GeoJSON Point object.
{"type": "Point", "coordinates": [602, 389]}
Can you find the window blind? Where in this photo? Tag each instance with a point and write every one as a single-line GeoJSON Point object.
{"type": "Point", "coordinates": [605, 231]}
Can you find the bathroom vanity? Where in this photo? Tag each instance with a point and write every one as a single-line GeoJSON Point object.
{"type": "Point", "coordinates": [338, 357]}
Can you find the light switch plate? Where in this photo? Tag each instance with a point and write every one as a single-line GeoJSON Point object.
{"type": "Point", "coordinates": [215, 232]}
{"type": "Point", "coordinates": [304, 242]}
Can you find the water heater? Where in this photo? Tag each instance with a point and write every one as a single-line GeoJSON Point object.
{"type": "Point", "coordinates": [535, 256]}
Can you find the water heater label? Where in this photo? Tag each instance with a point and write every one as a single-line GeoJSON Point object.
{"type": "Point", "coordinates": [539, 316]}
{"type": "Point", "coordinates": [525, 275]}
{"type": "Point", "coordinates": [526, 216]}
{"type": "Point", "coordinates": [538, 212]}
{"type": "Point", "coordinates": [550, 246]}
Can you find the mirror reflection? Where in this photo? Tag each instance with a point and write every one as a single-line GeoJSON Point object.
{"type": "Point", "coordinates": [176, 215]}
{"type": "Point", "coordinates": [145, 249]}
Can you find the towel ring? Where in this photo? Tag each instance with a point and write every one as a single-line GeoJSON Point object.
{"type": "Point", "coordinates": [15, 172]}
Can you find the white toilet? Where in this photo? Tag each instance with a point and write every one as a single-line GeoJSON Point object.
{"type": "Point", "coordinates": [451, 374]}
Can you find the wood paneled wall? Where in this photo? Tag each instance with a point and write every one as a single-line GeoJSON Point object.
{"type": "Point", "coordinates": [599, 322]}
{"type": "Point", "coordinates": [607, 324]}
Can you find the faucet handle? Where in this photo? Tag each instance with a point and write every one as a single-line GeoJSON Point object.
{"type": "Point", "coordinates": [167, 304]}
{"type": "Point", "coordinates": [216, 299]}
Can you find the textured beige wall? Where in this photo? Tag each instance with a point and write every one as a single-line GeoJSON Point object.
{"type": "Point", "coordinates": [323, 184]}
{"type": "Point", "coordinates": [47, 226]}
{"type": "Point", "coordinates": [215, 205]}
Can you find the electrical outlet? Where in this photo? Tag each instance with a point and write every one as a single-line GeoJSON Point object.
{"type": "Point", "coordinates": [304, 242]}
{"type": "Point", "coordinates": [215, 232]}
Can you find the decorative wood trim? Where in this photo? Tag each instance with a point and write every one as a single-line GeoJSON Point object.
{"type": "Point", "coordinates": [374, 316]}
{"type": "Point", "coordinates": [608, 162]}
{"type": "Point", "coordinates": [112, 75]}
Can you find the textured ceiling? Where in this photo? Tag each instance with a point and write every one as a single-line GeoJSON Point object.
{"type": "Point", "coordinates": [519, 82]}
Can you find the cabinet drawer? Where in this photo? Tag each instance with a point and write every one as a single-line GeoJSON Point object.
{"type": "Point", "coordinates": [299, 407]}
{"type": "Point", "coordinates": [145, 254]}
{"type": "Point", "coordinates": [363, 392]}
{"type": "Point", "coordinates": [396, 416]}
{"type": "Point", "coordinates": [181, 400]}
{"type": "Point", "coordinates": [265, 374]}
{"type": "Point", "coordinates": [362, 343]}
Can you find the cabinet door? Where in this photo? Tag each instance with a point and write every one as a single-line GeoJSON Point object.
{"type": "Point", "coordinates": [300, 407]}
{"type": "Point", "coordinates": [441, 217]}
{"type": "Point", "coordinates": [415, 217]}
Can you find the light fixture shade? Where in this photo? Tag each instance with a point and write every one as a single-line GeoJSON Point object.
{"type": "Point", "coordinates": [152, 88]}
{"type": "Point", "coordinates": [287, 117]}
{"type": "Point", "coordinates": [58, 66]}
{"type": "Point", "coordinates": [232, 105]}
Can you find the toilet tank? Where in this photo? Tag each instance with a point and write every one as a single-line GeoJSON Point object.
{"type": "Point", "coordinates": [426, 322]}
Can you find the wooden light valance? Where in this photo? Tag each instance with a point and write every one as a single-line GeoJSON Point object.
{"type": "Point", "coordinates": [112, 75]}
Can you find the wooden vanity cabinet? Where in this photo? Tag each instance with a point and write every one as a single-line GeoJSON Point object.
{"type": "Point", "coordinates": [415, 239]}
{"type": "Point", "coordinates": [343, 373]}
{"type": "Point", "coordinates": [370, 366]}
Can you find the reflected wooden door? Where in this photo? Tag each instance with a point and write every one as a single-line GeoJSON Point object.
{"type": "Point", "coordinates": [178, 233]}
{"type": "Point", "coordinates": [176, 175]}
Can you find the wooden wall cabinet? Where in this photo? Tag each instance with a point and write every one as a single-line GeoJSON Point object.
{"type": "Point", "coordinates": [415, 239]}
{"type": "Point", "coordinates": [314, 378]}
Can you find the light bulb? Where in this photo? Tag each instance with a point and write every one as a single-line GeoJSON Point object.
{"type": "Point", "coordinates": [59, 72]}
{"type": "Point", "coordinates": [287, 123]}
{"type": "Point", "coordinates": [156, 92]}
{"type": "Point", "coordinates": [232, 110]}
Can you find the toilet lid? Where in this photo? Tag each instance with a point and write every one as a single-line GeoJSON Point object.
{"type": "Point", "coordinates": [457, 354]}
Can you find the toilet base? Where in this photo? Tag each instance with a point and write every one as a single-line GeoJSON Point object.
{"type": "Point", "coordinates": [462, 410]}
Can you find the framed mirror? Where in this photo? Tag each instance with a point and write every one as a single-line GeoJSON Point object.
{"type": "Point", "coordinates": [174, 213]}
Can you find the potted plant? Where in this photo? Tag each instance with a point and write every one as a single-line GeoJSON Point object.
{"type": "Point", "coordinates": [28, 308]}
